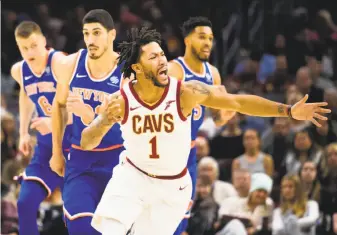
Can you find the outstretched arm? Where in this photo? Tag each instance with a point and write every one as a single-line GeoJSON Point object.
{"type": "Point", "coordinates": [93, 134]}
{"type": "Point", "coordinates": [194, 92]}
{"type": "Point", "coordinates": [220, 116]}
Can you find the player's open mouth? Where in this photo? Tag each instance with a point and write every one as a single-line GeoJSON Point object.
{"type": "Point", "coordinates": [163, 72]}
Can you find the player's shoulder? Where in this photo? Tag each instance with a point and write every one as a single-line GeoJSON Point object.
{"type": "Point", "coordinates": [66, 61]}
{"type": "Point", "coordinates": [175, 70]}
{"type": "Point", "coordinates": [215, 74]}
{"type": "Point", "coordinates": [72, 58]}
{"type": "Point", "coordinates": [58, 58]}
{"type": "Point", "coordinates": [64, 66]}
{"type": "Point", "coordinates": [16, 70]}
{"type": "Point", "coordinates": [193, 88]}
{"type": "Point", "coordinates": [191, 84]}
{"type": "Point", "coordinates": [59, 55]}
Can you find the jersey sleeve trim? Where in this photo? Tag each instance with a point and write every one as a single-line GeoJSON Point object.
{"type": "Point", "coordinates": [21, 76]}
{"type": "Point", "coordinates": [79, 54]}
{"type": "Point", "coordinates": [181, 115]}
{"type": "Point", "coordinates": [181, 66]}
{"type": "Point", "coordinates": [126, 107]}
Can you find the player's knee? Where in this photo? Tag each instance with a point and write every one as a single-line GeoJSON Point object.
{"type": "Point", "coordinates": [81, 226]}
{"type": "Point", "coordinates": [29, 198]}
{"type": "Point", "coordinates": [113, 227]}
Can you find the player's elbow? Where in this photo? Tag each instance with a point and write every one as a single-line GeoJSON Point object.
{"type": "Point", "coordinates": [233, 104]}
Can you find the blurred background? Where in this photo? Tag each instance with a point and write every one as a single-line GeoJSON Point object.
{"type": "Point", "coordinates": [278, 49]}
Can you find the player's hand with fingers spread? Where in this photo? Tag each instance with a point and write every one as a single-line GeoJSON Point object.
{"type": "Point", "coordinates": [42, 125]}
{"type": "Point", "coordinates": [25, 146]}
{"type": "Point", "coordinates": [57, 164]}
{"type": "Point", "coordinates": [309, 111]}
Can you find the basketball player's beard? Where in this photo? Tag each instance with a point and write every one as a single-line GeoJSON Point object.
{"type": "Point", "coordinates": [195, 53]}
{"type": "Point", "coordinates": [150, 75]}
{"type": "Point", "coordinates": [96, 57]}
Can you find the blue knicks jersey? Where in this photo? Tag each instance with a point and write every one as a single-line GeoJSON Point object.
{"type": "Point", "coordinates": [199, 111]}
{"type": "Point", "coordinates": [93, 92]}
{"type": "Point", "coordinates": [41, 90]}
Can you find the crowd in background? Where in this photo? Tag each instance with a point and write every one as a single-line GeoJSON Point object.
{"type": "Point", "coordinates": [272, 174]}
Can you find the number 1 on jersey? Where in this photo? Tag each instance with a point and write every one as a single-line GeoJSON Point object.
{"type": "Point", "coordinates": [153, 143]}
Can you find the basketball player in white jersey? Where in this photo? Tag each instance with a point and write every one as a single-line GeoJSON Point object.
{"type": "Point", "coordinates": [153, 110]}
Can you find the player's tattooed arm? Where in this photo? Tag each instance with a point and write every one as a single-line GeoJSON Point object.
{"type": "Point", "coordinates": [112, 113]}
{"type": "Point", "coordinates": [193, 93]}
{"type": "Point", "coordinates": [215, 97]}
{"type": "Point", "coordinates": [220, 117]}
{"type": "Point", "coordinates": [212, 96]}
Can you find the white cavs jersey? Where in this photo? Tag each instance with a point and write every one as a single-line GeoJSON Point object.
{"type": "Point", "coordinates": [157, 138]}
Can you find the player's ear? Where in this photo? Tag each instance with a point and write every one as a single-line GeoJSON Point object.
{"type": "Point", "coordinates": [44, 41]}
{"type": "Point", "coordinates": [112, 34]}
{"type": "Point", "coordinates": [137, 68]}
{"type": "Point", "coordinates": [187, 40]}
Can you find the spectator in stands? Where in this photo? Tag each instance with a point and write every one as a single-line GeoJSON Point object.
{"type": "Point", "coordinates": [8, 138]}
{"type": "Point", "coordinates": [323, 135]}
{"type": "Point", "coordinates": [329, 189]}
{"type": "Point", "coordinates": [315, 65]}
{"type": "Point", "coordinates": [9, 214]}
{"type": "Point", "coordinates": [309, 180]}
{"type": "Point", "coordinates": [249, 212]}
{"type": "Point", "coordinates": [241, 181]}
{"type": "Point", "coordinates": [304, 83]}
{"type": "Point", "coordinates": [296, 215]}
{"type": "Point", "coordinates": [202, 147]}
{"type": "Point", "coordinates": [204, 210]}
{"type": "Point", "coordinates": [220, 190]}
{"type": "Point", "coordinates": [276, 141]}
{"type": "Point", "coordinates": [253, 158]}
{"type": "Point", "coordinates": [304, 149]}
{"type": "Point", "coordinates": [221, 149]}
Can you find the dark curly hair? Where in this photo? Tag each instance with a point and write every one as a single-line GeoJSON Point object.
{"type": "Point", "coordinates": [193, 22]}
{"type": "Point", "coordinates": [131, 49]}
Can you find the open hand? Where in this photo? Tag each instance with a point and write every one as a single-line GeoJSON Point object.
{"type": "Point", "coordinates": [309, 111]}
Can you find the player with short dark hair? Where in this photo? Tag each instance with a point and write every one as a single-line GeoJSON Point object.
{"type": "Point", "coordinates": [87, 78]}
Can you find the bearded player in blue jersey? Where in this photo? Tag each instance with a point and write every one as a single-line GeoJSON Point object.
{"type": "Point", "coordinates": [198, 38]}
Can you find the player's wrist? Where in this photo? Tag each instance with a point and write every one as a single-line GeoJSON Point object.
{"type": "Point", "coordinates": [289, 114]}
{"type": "Point", "coordinates": [24, 134]}
{"type": "Point", "coordinates": [57, 151]}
